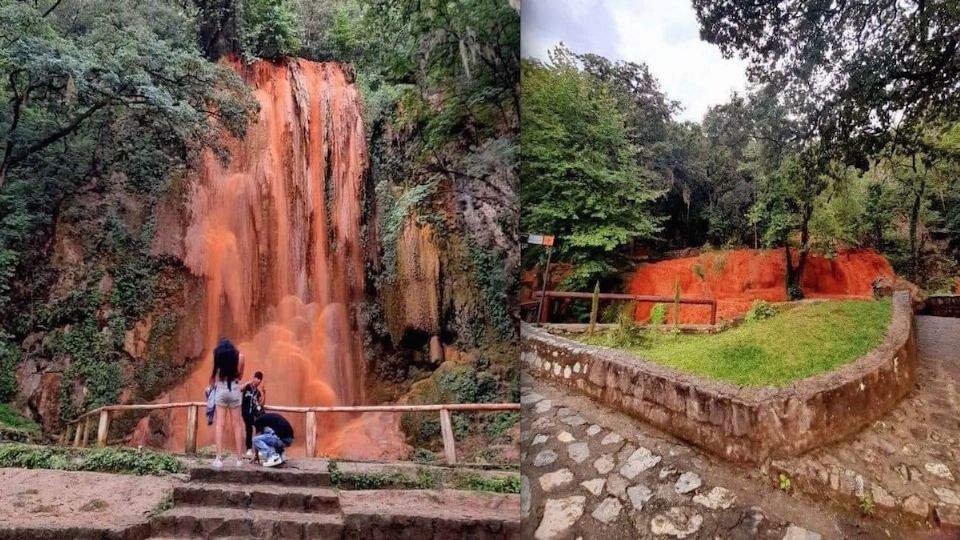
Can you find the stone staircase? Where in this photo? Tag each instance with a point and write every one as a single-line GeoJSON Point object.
{"type": "Point", "coordinates": [252, 502]}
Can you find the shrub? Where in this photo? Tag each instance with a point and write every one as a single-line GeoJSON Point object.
{"type": "Point", "coordinates": [784, 482]}
{"type": "Point", "coordinates": [658, 315]}
{"type": "Point", "coordinates": [423, 455]}
{"type": "Point", "coordinates": [611, 313]}
{"type": "Point", "coordinates": [9, 357]}
{"type": "Point", "coordinates": [504, 484]}
{"type": "Point", "coordinates": [10, 417]}
{"type": "Point", "coordinates": [760, 310]}
{"type": "Point", "coordinates": [427, 478]}
{"type": "Point", "coordinates": [500, 422]}
{"type": "Point", "coordinates": [865, 502]}
{"type": "Point", "coordinates": [627, 333]}
{"type": "Point", "coordinates": [114, 460]}
{"type": "Point", "coordinates": [469, 386]}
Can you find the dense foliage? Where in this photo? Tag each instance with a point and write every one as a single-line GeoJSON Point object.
{"type": "Point", "coordinates": [104, 107]}
{"type": "Point", "coordinates": [848, 138]}
{"type": "Point", "coordinates": [581, 178]}
{"type": "Point", "coordinates": [872, 90]}
{"type": "Point", "coordinates": [441, 89]}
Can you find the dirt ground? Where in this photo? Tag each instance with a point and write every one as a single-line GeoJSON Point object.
{"type": "Point", "coordinates": [76, 499]}
{"type": "Point", "coordinates": [450, 504]}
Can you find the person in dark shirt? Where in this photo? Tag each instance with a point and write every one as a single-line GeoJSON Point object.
{"type": "Point", "coordinates": [275, 434]}
{"type": "Point", "coordinates": [254, 398]}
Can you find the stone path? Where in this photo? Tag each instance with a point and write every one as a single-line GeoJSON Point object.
{"type": "Point", "coordinates": [907, 463]}
{"type": "Point", "coordinates": [589, 472]}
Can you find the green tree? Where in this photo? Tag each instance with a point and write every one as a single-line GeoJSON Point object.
{"type": "Point", "coordinates": [270, 28]}
{"type": "Point", "coordinates": [857, 74]}
{"type": "Point", "coordinates": [59, 75]}
{"type": "Point", "coordinates": [581, 180]}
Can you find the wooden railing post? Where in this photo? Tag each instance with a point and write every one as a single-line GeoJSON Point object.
{"type": "Point", "coordinates": [545, 309]}
{"type": "Point", "coordinates": [594, 307]}
{"type": "Point", "coordinates": [311, 434]}
{"type": "Point", "coordinates": [79, 428]}
{"type": "Point", "coordinates": [713, 313]}
{"type": "Point", "coordinates": [449, 443]}
{"type": "Point", "coordinates": [103, 428]}
{"type": "Point", "coordinates": [191, 441]}
{"type": "Point", "coordinates": [86, 431]}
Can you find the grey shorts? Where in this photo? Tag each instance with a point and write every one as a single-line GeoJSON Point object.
{"type": "Point", "coordinates": [229, 399]}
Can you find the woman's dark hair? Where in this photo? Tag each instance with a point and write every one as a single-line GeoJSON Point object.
{"type": "Point", "coordinates": [258, 375]}
{"type": "Point", "coordinates": [226, 360]}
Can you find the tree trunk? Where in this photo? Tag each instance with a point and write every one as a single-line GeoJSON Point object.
{"type": "Point", "coordinates": [789, 265]}
{"type": "Point", "coordinates": [804, 248]}
{"type": "Point", "coordinates": [915, 246]}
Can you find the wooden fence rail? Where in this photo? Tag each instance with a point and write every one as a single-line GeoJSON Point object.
{"type": "Point", "coordinates": [78, 429]}
{"type": "Point", "coordinates": [547, 295]}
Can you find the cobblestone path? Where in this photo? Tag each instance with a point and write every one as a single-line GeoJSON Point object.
{"type": "Point", "coordinates": [590, 472]}
{"type": "Point", "coordinates": [908, 462]}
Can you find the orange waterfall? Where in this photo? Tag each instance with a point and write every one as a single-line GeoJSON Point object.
{"type": "Point", "coordinates": [275, 233]}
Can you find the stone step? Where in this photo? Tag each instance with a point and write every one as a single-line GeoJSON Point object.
{"type": "Point", "coordinates": [212, 522]}
{"type": "Point", "coordinates": [56, 531]}
{"type": "Point", "coordinates": [258, 496]}
{"type": "Point", "coordinates": [255, 474]}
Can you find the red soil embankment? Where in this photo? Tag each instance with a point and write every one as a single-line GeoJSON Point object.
{"type": "Point", "coordinates": [736, 278]}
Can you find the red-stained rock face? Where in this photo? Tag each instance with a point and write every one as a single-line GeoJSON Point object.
{"type": "Point", "coordinates": [275, 236]}
{"type": "Point", "coordinates": [738, 277]}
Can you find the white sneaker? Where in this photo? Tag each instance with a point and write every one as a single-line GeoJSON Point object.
{"type": "Point", "coordinates": [239, 462]}
{"type": "Point", "coordinates": [249, 453]}
{"type": "Point", "coordinates": [283, 458]}
{"type": "Point", "coordinates": [217, 463]}
{"type": "Point", "coordinates": [273, 461]}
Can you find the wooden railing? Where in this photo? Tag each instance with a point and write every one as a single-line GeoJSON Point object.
{"type": "Point", "coordinates": [78, 429]}
{"type": "Point", "coordinates": [547, 295]}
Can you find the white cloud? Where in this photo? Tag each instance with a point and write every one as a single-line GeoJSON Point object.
{"type": "Point", "coordinates": [664, 34]}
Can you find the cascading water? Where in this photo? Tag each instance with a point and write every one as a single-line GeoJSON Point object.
{"type": "Point", "coordinates": [276, 235]}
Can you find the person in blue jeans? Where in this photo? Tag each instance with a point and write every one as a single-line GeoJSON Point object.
{"type": "Point", "coordinates": [275, 435]}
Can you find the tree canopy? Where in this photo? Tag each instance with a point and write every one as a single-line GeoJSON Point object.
{"type": "Point", "coordinates": [858, 74]}
{"type": "Point", "coordinates": [581, 178]}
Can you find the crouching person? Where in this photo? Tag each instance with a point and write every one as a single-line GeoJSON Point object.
{"type": "Point", "coordinates": [275, 435]}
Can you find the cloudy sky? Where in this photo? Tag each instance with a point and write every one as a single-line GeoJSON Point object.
{"type": "Point", "coordinates": [662, 33]}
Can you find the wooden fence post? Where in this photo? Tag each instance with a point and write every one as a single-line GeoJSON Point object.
{"type": "Point", "coordinates": [449, 443]}
{"type": "Point", "coordinates": [311, 434]}
{"type": "Point", "coordinates": [191, 441]}
{"type": "Point", "coordinates": [545, 310]}
{"type": "Point", "coordinates": [594, 307]}
{"type": "Point", "coordinates": [103, 428]}
{"type": "Point", "coordinates": [77, 434]}
{"type": "Point", "coordinates": [65, 436]}
{"type": "Point", "coordinates": [87, 424]}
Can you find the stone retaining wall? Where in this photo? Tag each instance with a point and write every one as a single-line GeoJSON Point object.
{"type": "Point", "coordinates": [744, 424]}
{"type": "Point", "coordinates": [941, 306]}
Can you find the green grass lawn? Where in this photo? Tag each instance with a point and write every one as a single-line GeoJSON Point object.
{"type": "Point", "coordinates": [798, 342]}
